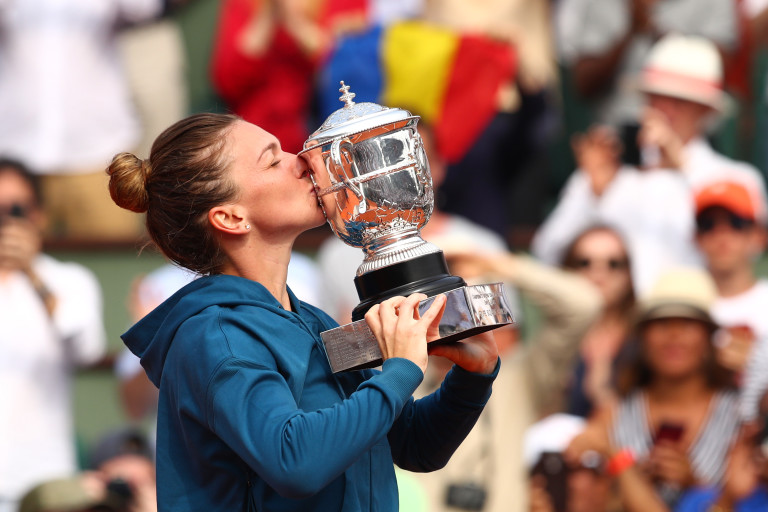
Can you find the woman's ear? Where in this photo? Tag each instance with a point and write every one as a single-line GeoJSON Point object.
{"type": "Point", "coordinates": [228, 219]}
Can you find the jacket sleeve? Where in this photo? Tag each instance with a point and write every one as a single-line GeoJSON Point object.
{"type": "Point", "coordinates": [297, 453]}
{"type": "Point", "coordinates": [430, 429]}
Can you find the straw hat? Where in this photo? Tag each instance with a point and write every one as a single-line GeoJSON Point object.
{"type": "Point", "coordinates": [685, 67]}
{"type": "Point", "coordinates": [679, 293]}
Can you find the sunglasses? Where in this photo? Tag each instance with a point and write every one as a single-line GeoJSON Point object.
{"type": "Point", "coordinates": [707, 223]}
{"type": "Point", "coordinates": [614, 264]}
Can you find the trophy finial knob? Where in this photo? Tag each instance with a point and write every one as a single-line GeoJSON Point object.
{"type": "Point", "coordinates": [346, 96]}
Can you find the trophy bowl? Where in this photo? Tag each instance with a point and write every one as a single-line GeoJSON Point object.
{"type": "Point", "coordinates": [372, 179]}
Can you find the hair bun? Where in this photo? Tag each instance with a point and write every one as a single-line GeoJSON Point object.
{"type": "Point", "coordinates": [128, 182]}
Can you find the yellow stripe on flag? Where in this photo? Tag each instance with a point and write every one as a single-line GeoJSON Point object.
{"type": "Point", "coordinates": [417, 59]}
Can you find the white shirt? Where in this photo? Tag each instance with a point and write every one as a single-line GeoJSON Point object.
{"type": "Point", "coordinates": [651, 210]}
{"type": "Point", "coordinates": [749, 308]}
{"type": "Point", "coordinates": [703, 165]}
{"type": "Point", "coordinates": [64, 102]}
{"type": "Point", "coordinates": [37, 357]}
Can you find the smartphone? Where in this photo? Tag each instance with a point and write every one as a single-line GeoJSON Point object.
{"type": "Point", "coordinates": [669, 431]}
{"type": "Point", "coordinates": [553, 468]}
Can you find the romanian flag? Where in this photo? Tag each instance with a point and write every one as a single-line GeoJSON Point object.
{"type": "Point", "coordinates": [451, 80]}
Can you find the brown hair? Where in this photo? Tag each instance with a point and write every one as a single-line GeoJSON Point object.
{"type": "Point", "coordinates": [627, 306]}
{"type": "Point", "coordinates": [181, 181]}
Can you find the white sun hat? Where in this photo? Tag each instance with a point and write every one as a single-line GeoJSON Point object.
{"type": "Point", "coordinates": [685, 67]}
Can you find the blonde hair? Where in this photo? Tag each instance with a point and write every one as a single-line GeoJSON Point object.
{"type": "Point", "coordinates": [183, 178]}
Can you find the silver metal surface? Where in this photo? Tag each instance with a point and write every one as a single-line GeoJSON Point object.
{"type": "Point", "coordinates": [372, 179]}
{"type": "Point", "coordinates": [469, 310]}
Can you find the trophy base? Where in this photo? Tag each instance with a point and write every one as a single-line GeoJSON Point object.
{"type": "Point", "coordinates": [469, 310]}
{"type": "Point", "coordinates": [427, 274]}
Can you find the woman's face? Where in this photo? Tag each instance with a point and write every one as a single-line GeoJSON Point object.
{"type": "Point", "coordinates": [600, 257]}
{"type": "Point", "coordinates": [676, 347]}
{"type": "Point", "coordinates": [274, 186]}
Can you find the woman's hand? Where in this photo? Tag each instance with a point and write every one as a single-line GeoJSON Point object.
{"type": "Point", "coordinates": [477, 354]}
{"type": "Point", "coordinates": [401, 331]}
{"type": "Point", "coordinates": [539, 497]}
{"type": "Point", "coordinates": [669, 463]}
{"type": "Point", "coordinates": [742, 476]}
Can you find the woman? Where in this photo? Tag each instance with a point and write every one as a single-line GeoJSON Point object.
{"type": "Point", "coordinates": [600, 255]}
{"type": "Point", "coordinates": [250, 416]}
{"type": "Point", "coordinates": [678, 413]}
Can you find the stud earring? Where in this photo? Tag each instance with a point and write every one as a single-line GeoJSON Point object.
{"type": "Point", "coordinates": [247, 226]}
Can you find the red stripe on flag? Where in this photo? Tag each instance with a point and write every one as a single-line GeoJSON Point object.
{"type": "Point", "coordinates": [480, 67]}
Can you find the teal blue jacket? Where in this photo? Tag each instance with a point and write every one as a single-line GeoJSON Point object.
{"type": "Point", "coordinates": [251, 418]}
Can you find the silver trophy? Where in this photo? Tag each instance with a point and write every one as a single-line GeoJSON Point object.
{"type": "Point", "coordinates": [372, 179]}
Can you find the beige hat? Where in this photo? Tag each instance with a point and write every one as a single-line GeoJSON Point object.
{"type": "Point", "coordinates": [679, 293]}
{"type": "Point", "coordinates": [685, 67]}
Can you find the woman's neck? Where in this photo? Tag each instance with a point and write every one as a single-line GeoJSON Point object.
{"type": "Point", "coordinates": [678, 389]}
{"type": "Point", "coordinates": [266, 264]}
{"type": "Point", "coordinates": [734, 282]}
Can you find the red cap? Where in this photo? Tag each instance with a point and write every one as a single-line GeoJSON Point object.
{"type": "Point", "coordinates": [734, 197]}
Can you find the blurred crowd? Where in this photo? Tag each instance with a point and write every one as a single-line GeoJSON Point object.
{"type": "Point", "coordinates": [605, 159]}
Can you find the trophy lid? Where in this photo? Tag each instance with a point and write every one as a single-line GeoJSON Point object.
{"type": "Point", "coordinates": [354, 118]}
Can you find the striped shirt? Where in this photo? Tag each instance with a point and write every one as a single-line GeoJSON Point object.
{"type": "Point", "coordinates": [708, 453]}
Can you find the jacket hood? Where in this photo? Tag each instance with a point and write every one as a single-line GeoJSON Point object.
{"type": "Point", "coordinates": [151, 337]}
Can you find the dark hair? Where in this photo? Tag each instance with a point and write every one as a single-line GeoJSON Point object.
{"type": "Point", "coordinates": [569, 262]}
{"type": "Point", "coordinates": [634, 372]}
{"type": "Point", "coordinates": [22, 171]}
{"type": "Point", "coordinates": [184, 177]}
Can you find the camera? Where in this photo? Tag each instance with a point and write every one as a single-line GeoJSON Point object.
{"type": "Point", "coordinates": [119, 495]}
{"type": "Point", "coordinates": [466, 496]}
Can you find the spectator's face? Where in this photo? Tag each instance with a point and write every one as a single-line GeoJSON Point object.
{"type": "Point", "coordinates": [588, 491]}
{"type": "Point", "coordinates": [676, 347]}
{"type": "Point", "coordinates": [686, 118]}
{"type": "Point", "coordinates": [138, 471]}
{"type": "Point", "coordinates": [16, 196]}
{"type": "Point", "coordinates": [727, 241]}
{"type": "Point", "coordinates": [601, 258]}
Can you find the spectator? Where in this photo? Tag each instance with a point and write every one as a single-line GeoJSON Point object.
{"type": "Point", "coordinates": [263, 63]}
{"type": "Point", "coordinates": [682, 80]}
{"type": "Point", "coordinates": [124, 459]}
{"type": "Point", "coordinates": [67, 107]}
{"type": "Point", "coordinates": [558, 485]}
{"type": "Point", "coordinates": [530, 385]}
{"type": "Point", "coordinates": [678, 414]}
{"type": "Point", "coordinates": [599, 254]}
{"type": "Point", "coordinates": [606, 43]}
{"type": "Point", "coordinates": [51, 325]}
{"type": "Point", "coordinates": [731, 237]}
{"type": "Point", "coordinates": [651, 210]}
{"type": "Point", "coordinates": [745, 488]}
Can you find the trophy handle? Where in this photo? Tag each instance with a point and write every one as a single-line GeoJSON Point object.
{"type": "Point", "coordinates": [336, 150]}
